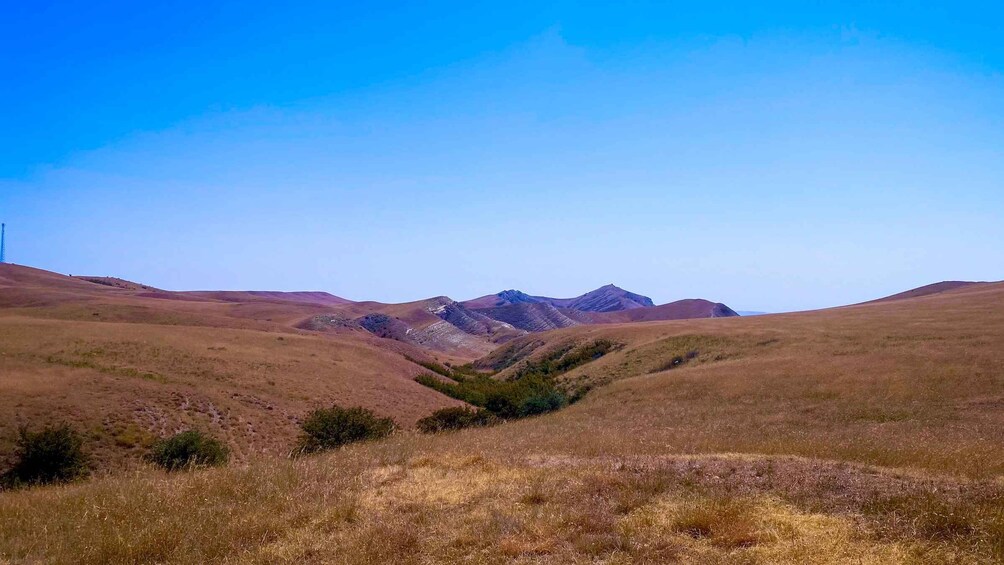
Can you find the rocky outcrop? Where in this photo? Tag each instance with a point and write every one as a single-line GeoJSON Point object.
{"type": "Point", "coordinates": [475, 323]}
{"type": "Point", "coordinates": [530, 316]}
{"type": "Point", "coordinates": [382, 325]}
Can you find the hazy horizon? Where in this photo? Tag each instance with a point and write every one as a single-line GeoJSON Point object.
{"type": "Point", "coordinates": [770, 159]}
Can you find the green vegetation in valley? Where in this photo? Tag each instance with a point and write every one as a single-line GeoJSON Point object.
{"type": "Point", "coordinates": [531, 390]}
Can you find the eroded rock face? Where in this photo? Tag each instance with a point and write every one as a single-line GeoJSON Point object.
{"type": "Point", "coordinates": [324, 322]}
{"type": "Point", "coordinates": [458, 331]}
{"type": "Point", "coordinates": [444, 336]}
{"type": "Point", "coordinates": [531, 316]}
{"type": "Point", "coordinates": [475, 323]}
{"type": "Point", "coordinates": [382, 325]}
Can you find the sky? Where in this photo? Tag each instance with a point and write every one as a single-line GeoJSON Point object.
{"type": "Point", "coordinates": [774, 156]}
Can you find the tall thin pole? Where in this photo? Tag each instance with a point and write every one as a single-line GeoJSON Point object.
{"type": "Point", "coordinates": [3, 243]}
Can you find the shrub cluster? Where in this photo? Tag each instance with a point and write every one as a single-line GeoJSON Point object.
{"type": "Point", "coordinates": [53, 454]}
{"type": "Point", "coordinates": [530, 391]}
{"type": "Point", "coordinates": [566, 359]}
{"type": "Point", "coordinates": [514, 398]}
{"type": "Point", "coordinates": [330, 428]}
{"type": "Point", "coordinates": [456, 418]}
{"type": "Point", "coordinates": [187, 450]}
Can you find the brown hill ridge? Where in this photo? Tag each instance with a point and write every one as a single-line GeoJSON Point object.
{"type": "Point", "coordinates": [927, 290]}
{"type": "Point", "coordinates": [687, 309]}
{"type": "Point", "coordinates": [301, 297]}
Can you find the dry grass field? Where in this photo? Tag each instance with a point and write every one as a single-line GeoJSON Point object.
{"type": "Point", "coordinates": [127, 384]}
{"type": "Point", "coordinates": [126, 369]}
{"type": "Point", "coordinates": [865, 434]}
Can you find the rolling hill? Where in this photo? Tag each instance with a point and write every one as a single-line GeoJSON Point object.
{"type": "Point", "coordinates": [679, 310]}
{"type": "Point", "coordinates": [927, 290]}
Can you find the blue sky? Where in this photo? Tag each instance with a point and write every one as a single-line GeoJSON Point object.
{"type": "Point", "coordinates": [773, 157]}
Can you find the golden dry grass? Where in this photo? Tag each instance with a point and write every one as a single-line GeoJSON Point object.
{"type": "Point", "coordinates": [124, 385]}
{"type": "Point", "coordinates": [404, 502]}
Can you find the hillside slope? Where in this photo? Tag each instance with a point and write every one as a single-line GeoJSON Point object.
{"type": "Point", "coordinates": [928, 290]}
{"type": "Point", "coordinates": [301, 297]}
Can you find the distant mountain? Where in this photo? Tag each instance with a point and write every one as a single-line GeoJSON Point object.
{"type": "Point", "coordinates": [608, 304]}
{"type": "Point", "coordinates": [750, 313]}
{"type": "Point", "coordinates": [608, 298]}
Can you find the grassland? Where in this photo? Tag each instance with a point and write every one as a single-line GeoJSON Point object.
{"type": "Point", "coordinates": [867, 434]}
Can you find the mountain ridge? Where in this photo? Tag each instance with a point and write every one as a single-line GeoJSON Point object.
{"type": "Point", "coordinates": [607, 298]}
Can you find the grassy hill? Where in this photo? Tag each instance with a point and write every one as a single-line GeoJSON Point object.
{"type": "Point", "coordinates": [865, 434]}
{"type": "Point", "coordinates": [127, 368]}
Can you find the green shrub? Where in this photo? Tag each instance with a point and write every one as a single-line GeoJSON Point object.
{"type": "Point", "coordinates": [565, 359]}
{"type": "Point", "coordinates": [542, 403]}
{"type": "Point", "coordinates": [330, 428]}
{"type": "Point", "coordinates": [188, 449]}
{"type": "Point", "coordinates": [52, 455]}
{"type": "Point", "coordinates": [504, 398]}
{"type": "Point", "coordinates": [456, 418]}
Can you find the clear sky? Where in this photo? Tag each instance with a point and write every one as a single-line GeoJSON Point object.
{"type": "Point", "coordinates": [769, 155]}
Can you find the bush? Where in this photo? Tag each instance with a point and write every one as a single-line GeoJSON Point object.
{"type": "Point", "coordinates": [188, 449]}
{"type": "Point", "coordinates": [542, 403]}
{"type": "Point", "coordinates": [456, 418]}
{"type": "Point", "coordinates": [513, 398]}
{"type": "Point", "coordinates": [52, 455]}
{"type": "Point", "coordinates": [330, 428]}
